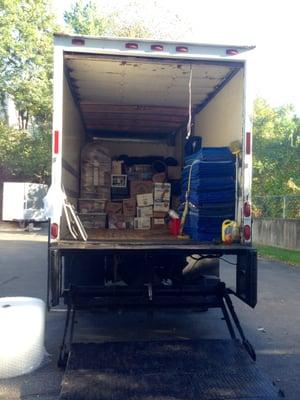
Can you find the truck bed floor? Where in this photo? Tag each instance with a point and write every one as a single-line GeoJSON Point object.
{"type": "Point", "coordinates": [164, 370]}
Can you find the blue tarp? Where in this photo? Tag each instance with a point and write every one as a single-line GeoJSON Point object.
{"type": "Point", "coordinates": [212, 192]}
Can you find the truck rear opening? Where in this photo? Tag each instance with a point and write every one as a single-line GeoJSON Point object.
{"type": "Point", "coordinates": [137, 104]}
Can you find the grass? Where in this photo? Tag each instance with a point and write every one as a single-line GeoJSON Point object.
{"type": "Point", "coordinates": [276, 253]}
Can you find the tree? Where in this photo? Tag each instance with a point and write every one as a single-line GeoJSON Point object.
{"type": "Point", "coordinates": [23, 156]}
{"type": "Point", "coordinates": [86, 18]}
{"type": "Point", "coordinates": [26, 77]}
{"type": "Point", "coordinates": [276, 153]}
{"type": "Point", "coordinates": [26, 58]}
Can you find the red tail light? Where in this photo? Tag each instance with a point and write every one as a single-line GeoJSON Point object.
{"type": "Point", "coordinates": [56, 142]}
{"type": "Point", "coordinates": [182, 49]}
{"type": "Point", "coordinates": [247, 232]}
{"type": "Point", "coordinates": [247, 209]}
{"type": "Point", "coordinates": [78, 42]}
{"type": "Point", "coordinates": [232, 52]}
{"type": "Point", "coordinates": [54, 231]}
{"type": "Point", "coordinates": [132, 46]}
{"type": "Point", "coordinates": [248, 142]}
{"type": "Point", "coordinates": [157, 47]}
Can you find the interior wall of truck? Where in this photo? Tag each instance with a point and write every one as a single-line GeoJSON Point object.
{"type": "Point", "coordinates": [135, 108]}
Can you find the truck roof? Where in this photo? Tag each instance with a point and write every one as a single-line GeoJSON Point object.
{"type": "Point", "coordinates": [239, 48]}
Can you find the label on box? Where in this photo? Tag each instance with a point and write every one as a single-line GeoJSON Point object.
{"type": "Point", "coordinates": [142, 223]}
{"type": "Point", "coordinates": [144, 211]}
{"type": "Point", "coordinates": [161, 206]}
{"type": "Point", "coordinates": [162, 192]}
{"type": "Point", "coordinates": [158, 223]}
{"type": "Point", "coordinates": [116, 221]}
{"type": "Point", "coordinates": [129, 206]}
{"type": "Point", "coordinates": [140, 187]}
{"type": "Point", "coordinates": [114, 208]}
{"type": "Point", "coordinates": [119, 181]}
{"type": "Point", "coordinates": [116, 167]}
{"type": "Point", "coordinates": [144, 200]}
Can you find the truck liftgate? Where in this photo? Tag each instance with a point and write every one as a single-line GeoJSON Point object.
{"type": "Point", "coordinates": [164, 369]}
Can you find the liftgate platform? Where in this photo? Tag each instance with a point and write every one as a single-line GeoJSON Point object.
{"type": "Point", "coordinates": [165, 369]}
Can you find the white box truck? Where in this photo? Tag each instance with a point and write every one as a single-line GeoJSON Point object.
{"type": "Point", "coordinates": [142, 98]}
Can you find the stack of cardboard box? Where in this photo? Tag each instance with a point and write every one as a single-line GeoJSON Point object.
{"type": "Point", "coordinates": [95, 186]}
{"type": "Point", "coordinates": [114, 196]}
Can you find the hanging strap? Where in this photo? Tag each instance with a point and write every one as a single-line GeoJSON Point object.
{"type": "Point", "coordinates": [188, 134]}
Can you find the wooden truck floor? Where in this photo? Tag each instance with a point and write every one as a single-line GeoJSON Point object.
{"type": "Point", "coordinates": [164, 370]}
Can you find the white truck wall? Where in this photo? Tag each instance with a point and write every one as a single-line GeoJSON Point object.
{"type": "Point", "coordinates": [72, 142]}
{"type": "Point", "coordinates": [221, 121]}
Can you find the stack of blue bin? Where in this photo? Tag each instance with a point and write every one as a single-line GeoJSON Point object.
{"type": "Point", "coordinates": [211, 198]}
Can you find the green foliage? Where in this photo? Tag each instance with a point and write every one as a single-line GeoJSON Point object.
{"type": "Point", "coordinates": [24, 156]}
{"type": "Point", "coordinates": [276, 150]}
{"type": "Point", "coordinates": [26, 57]}
{"type": "Point", "coordinates": [86, 18]}
{"type": "Point", "coordinates": [288, 256]}
{"type": "Point", "coordinates": [26, 49]}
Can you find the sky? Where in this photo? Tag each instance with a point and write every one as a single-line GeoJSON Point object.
{"type": "Point", "coordinates": [273, 26]}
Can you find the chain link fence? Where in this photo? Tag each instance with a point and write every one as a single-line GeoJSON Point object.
{"type": "Point", "coordinates": [286, 207]}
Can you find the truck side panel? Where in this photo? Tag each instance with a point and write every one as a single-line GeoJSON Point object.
{"type": "Point", "coordinates": [221, 121]}
{"type": "Point", "coordinates": [72, 142]}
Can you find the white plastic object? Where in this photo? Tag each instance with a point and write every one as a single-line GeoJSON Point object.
{"type": "Point", "coordinates": [22, 321]}
{"type": "Point", "coordinates": [173, 214]}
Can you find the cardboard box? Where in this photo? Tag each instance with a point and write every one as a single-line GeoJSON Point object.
{"type": "Point", "coordinates": [117, 167]}
{"type": "Point", "coordinates": [142, 168]}
{"type": "Point", "coordinates": [144, 211]}
{"type": "Point", "coordinates": [140, 187]}
{"type": "Point", "coordinates": [158, 223]}
{"type": "Point", "coordinates": [144, 200]}
{"type": "Point", "coordinates": [129, 206]}
{"type": "Point", "coordinates": [93, 192]}
{"type": "Point", "coordinates": [91, 206]}
{"type": "Point", "coordinates": [162, 195]}
{"type": "Point", "coordinates": [174, 173]}
{"type": "Point", "coordinates": [114, 208]}
{"type": "Point", "coordinates": [119, 181]}
{"type": "Point", "coordinates": [93, 221]}
{"type": "Point", "coordinates": [175, 202]}
{"type": "Point", "coordinates": [159, 178]}
{"type": "Point", "coordinates": [161, 206]}
{"type": "Point", "coordinates": [159, 214]}
{"type": "Point", "coordinates": [129, 222]}
{"type": "Point", "coordinates": [103, 192]}
{"type": "Point", "coordinates": [162, 192]}
{"type": "Point", "coordinates": [142, 223]}
{"type": "Point", "coordinates": [116, 221]}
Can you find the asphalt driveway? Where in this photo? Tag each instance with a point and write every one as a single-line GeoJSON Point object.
{"type": "Point", "coordinates": [273, 326]}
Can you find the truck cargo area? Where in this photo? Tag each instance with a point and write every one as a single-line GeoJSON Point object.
{"type": "Point", "coordinates": [137, 109]}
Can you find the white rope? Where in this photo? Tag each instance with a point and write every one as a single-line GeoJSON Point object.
{"type": "Point", "coordinates": [188, 134]}
{"type": "Point", "coordinates": [189, 124]}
